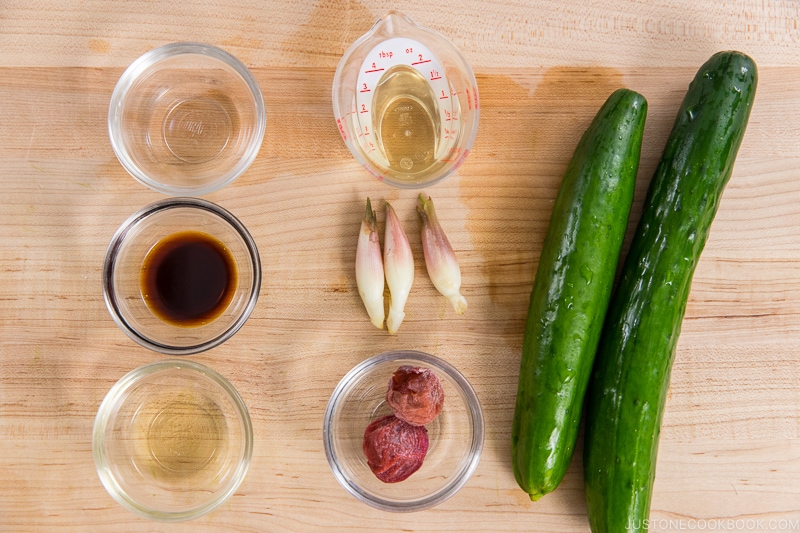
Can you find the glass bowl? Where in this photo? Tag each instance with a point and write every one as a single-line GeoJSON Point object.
{"type": "Point", "coordinates": [186, 119]}
{"type": "Point", "coordinates": [455, 436]}
{"type": "Point", "coordinates": [126, 290]}
{"type": "Point", "coordinates": [172, 440]}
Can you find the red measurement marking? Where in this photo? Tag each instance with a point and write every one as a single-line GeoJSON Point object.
{"type": "Point", "coordinates": [436, 78]}
{"type": "Point", "coordinates": [421, 62]}
{"type": "Point", "coordinates": [379, 176]}
{"type": "Point", "coordinates": [452, 155]}
{"type": "Point", "coordinates": [443, 96]}
{"type": "Point", "coordinates": [341, 128]}
{"type": "Point", "coordinates": [461, 159]}
{"type": "Point", "coordinates": [373, 70]}
{"type": "Point", "coordinates": [364, 108]}
{"type": "Point", "coordinates": [365, 89]}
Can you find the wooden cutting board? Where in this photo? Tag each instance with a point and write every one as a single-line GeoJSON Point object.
{"type": "Point", "coordinates": [730, 444]}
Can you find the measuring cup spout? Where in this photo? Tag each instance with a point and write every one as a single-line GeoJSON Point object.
{"type": "Point", "coordinates": [392, 24]}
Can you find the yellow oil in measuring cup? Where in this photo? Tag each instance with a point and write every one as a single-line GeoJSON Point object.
{"type": "Point", "coordinates": [407, 113]}
{"type": "Point", "coordinates": [406, 120]}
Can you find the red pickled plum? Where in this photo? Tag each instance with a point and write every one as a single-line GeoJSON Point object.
{"type": "Point", "coordinates": [394, 449]}
{"type": "Point", "coordinates": [415, 395]}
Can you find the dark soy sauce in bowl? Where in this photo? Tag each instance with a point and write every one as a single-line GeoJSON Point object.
{"type": "Point", "coordinates": [188, 278]}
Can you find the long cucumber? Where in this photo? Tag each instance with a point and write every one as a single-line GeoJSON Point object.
{"type": "Point", "coordinates": [571, 291]}
{"type": "Point", "coordinates": [625, 402]}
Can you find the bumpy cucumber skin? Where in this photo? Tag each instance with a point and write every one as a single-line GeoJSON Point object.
{"type": "Point", "coordinates": [571, 291]}
{"type": "Point", "coordinates": [626, 396]}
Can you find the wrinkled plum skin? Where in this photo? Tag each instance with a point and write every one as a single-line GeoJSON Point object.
{"type": "Point", "coordinates": [415, 395]}
{"type": "Point", "coordinates": [394, 449]}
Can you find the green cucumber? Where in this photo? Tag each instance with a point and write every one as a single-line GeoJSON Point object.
{"type": "Point", "coordinates": [571, 291]}
{"type": "Point", "coordinates": [626, 396]}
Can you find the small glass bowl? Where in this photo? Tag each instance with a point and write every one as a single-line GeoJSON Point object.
{"type": "Point", "coordinates": [455, 436]}
{"type": "Point", "coordinates": [186, 119]}
{"type": "Point", "coordinates": [172, 440]}
{"type": "Point", "coordinates": [122, 274]}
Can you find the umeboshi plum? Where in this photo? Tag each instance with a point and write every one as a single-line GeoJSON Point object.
{"type": "Point", "coordinates": [415, 395]}
{"type": "Point", "coordinates": [394, 449]}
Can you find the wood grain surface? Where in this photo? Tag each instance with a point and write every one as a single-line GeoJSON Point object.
{"type": "Point", "coordinates": [730, 445]}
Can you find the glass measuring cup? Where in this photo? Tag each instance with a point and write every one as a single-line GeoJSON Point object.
{"type": "Point", "coordinates": [406, 103]}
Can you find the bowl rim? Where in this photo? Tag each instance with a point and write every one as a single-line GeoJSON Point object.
{"type": "Point", "coordinates": [476, 447]}
{"type": "Point", "coordinates": [109, 266]}
{"type": "Point", "coordinates": [142, 64]}
{"type": "Point", "coordinates": [113, 400]}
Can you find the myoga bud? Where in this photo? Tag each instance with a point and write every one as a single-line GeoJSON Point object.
{"type": "Point", "coordinates": [439, 257]}
{"type": "Point", "coordinates": [369, 268]}
{"type": "Point", "coordinates": [398, 263]}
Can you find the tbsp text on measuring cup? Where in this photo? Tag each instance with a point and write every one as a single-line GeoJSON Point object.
{"type": "Point", "coordinates": [406, 103]}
